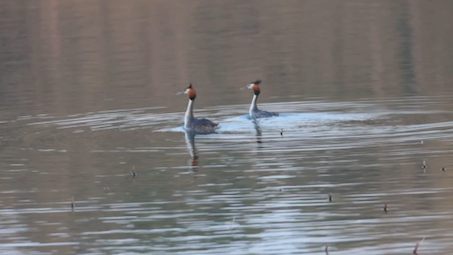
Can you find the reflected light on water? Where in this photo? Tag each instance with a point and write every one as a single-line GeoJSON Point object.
{"type": "Point", "coordinates": [95, 160]}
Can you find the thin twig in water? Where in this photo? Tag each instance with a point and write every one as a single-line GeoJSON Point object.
{"type": "Point", "coordinates": [149, 138]}
{"type": "Point", "coordinates": [417, 244]}
{"type": "Point", "coordinates": [133, 172]}
{"type": "Point", "coordinates": [231, 223]}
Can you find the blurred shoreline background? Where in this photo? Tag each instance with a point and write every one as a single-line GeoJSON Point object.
{"type": "Point", "coordinates": [88, 94]}
{"type": "Point", "coordinates": [72, 56]}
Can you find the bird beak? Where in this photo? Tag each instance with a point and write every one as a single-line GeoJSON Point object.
{"type": "Point", "coordinates": [180, 92]}
{"type": "Point", "coordinates": [249, 86]}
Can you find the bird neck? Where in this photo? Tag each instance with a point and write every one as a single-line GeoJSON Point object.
{"type": "Point", "coordinates": [253, 106]}
{"type": "Point", "coordinates": [189, 112]}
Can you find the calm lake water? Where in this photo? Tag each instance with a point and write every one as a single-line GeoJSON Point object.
{"type": "Point", "coordinates": [88, 95]}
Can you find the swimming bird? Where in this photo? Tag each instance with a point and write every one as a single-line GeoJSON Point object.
{"type": "Point", "coordinates": [191, 123]}
{"type": "Point", "coordinates": [254, 112]}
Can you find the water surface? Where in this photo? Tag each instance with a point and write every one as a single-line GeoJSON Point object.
{"type": "Point", "coordinates": [88, 95]}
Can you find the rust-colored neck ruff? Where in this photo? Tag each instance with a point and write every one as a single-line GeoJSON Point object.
{"type": "Point", "coordinates": [256, 89]}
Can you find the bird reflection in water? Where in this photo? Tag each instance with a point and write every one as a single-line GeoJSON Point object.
{"type": "Point", "coordinates": [190, 142]}
{"type": "Point", "coordinates": [258, 132]}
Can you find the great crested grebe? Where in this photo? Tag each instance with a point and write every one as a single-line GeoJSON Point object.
{"type": "Point", "coordinates": [193, 124]}
{"type": "Point", "coordinates": [254, 112]}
